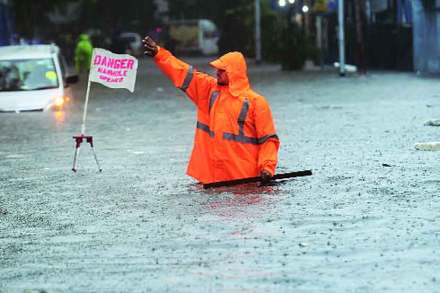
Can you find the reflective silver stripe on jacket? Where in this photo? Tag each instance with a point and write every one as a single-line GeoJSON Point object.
{"type": "Point", "coordinates": [188, 78]}
{"type": "Point", "coordinates": [247, 139]}
{"type": "Point", "coordinates": [241, 137]}
{"type": "Point", "coordinates": [205, 128]}
{"type": "Point", "coordinates": [212, 99]}
{"type": "Point", "coordinates": [263, 139]}
{"type": "Point", "coordinates": [242, 117]}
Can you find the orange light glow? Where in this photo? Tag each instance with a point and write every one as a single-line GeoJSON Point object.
{"type": "Point", "coordinates": [59, 101]}
{"type": "Point", "coordinates": [60, 117]}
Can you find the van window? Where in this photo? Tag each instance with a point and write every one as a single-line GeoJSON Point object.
{"type": "Point", "coordinates": [27, 75]}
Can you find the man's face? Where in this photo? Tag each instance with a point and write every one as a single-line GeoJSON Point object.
{"type": "Point", "coordinates": [222, 77]}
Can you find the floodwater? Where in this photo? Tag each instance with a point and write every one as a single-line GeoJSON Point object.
{"type": "Point", "coordinates": [366, 221]}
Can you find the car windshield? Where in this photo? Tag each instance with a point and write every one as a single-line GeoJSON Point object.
{"type": "Point", "coordinates": [28, 75]}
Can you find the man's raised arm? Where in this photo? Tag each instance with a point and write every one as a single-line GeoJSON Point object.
{"type": "Point", "coordinates": [195, 84]}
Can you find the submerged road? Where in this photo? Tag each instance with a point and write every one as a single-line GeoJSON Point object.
{"type": "Point", "coordinates": [366, 221]}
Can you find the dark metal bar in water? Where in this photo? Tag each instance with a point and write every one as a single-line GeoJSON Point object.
{"type": "Point", "coordinates": [257, 179]}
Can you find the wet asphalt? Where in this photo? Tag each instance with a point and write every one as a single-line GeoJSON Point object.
{"type": "Point", "coordinates": [366, 221]}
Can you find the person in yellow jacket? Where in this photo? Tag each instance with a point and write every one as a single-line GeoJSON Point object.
{"type": "Point", "coordinates": [235, 134]}
{"type": "Point", "coordinates": [83, 54]}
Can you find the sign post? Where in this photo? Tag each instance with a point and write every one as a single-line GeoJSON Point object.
{"type": "Point", "coordinates": [111, 70]}
{"type": "Point", "coordinates": [341, 37]}
{"type": "Point", "coordinates": [257, 32]}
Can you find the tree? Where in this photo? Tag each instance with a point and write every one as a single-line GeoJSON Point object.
{"type": "Point", "coordinates": [28, 14]}
{"type": "Point", "coordinates": [31, 16]}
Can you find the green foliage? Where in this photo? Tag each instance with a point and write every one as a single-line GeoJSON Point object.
{"type": "Point", "coordinates": [234, 18]}
{"type": "Point", "coordinates": [195, 9]}
{"type": "Point", "coordinates": [294, 47]}
{"type": "Point", "coordinates": [271, 32]}
{"type": "Point", "coordinates": [105, 15]}
{"type": "Point", "coordinates": [284, 41]}
{"type": "Point", "coordinates": [238, 29]}
{"type": "Point", "coordinates": [30, 13]}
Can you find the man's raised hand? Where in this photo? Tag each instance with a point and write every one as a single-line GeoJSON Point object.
{"type": "Point", "coordinates": [150, 46]}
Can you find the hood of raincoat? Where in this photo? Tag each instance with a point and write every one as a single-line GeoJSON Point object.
{"type": "Point", "coordinates": [235, 66]}
{"type": "Point", "coordinates": [84, 37]}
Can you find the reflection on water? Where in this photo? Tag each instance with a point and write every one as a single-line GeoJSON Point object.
{"type": "Point", "coordinates": [60, 117]}
{"type": "Point", "coordinates": [242, 201]}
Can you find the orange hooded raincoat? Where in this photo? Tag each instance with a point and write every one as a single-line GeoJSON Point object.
{"type": "Point", "coordinates": [235, 133]}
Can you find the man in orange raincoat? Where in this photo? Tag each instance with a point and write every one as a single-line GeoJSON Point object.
{"type": "Point", "coordinates": [235, 134]}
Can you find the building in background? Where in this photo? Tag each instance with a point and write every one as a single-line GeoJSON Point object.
{"type": "Point", "coordinates": [426, 15]}
{"type": "Point", "coordinates": [6, 28]}
{"type": "Point", "coordinates": [389, 34]}
{"type": "Point", "coordinates": [378, 33]}
{"type": "Point", "coordinates": [399, 35]}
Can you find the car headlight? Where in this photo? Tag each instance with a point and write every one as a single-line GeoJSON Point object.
{"type": "Point", "coordinates": [59, 101]}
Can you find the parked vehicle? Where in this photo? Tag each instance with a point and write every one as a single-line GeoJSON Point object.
{"type": "Point", "coordinates": [132, 43]}
{"type": "Point", "coordinates": [194, 36]}
{"type": "Point", "coordinates": [33, 77]}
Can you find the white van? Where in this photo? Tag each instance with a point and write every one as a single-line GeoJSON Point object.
{"type": "Point", "coordinates": [32, 78]}
{"type": "Point", "coordinates": [197, 35]}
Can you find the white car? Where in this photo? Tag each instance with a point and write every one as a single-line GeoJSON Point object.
{"type": "Point", "coordinates": [32, 77]}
